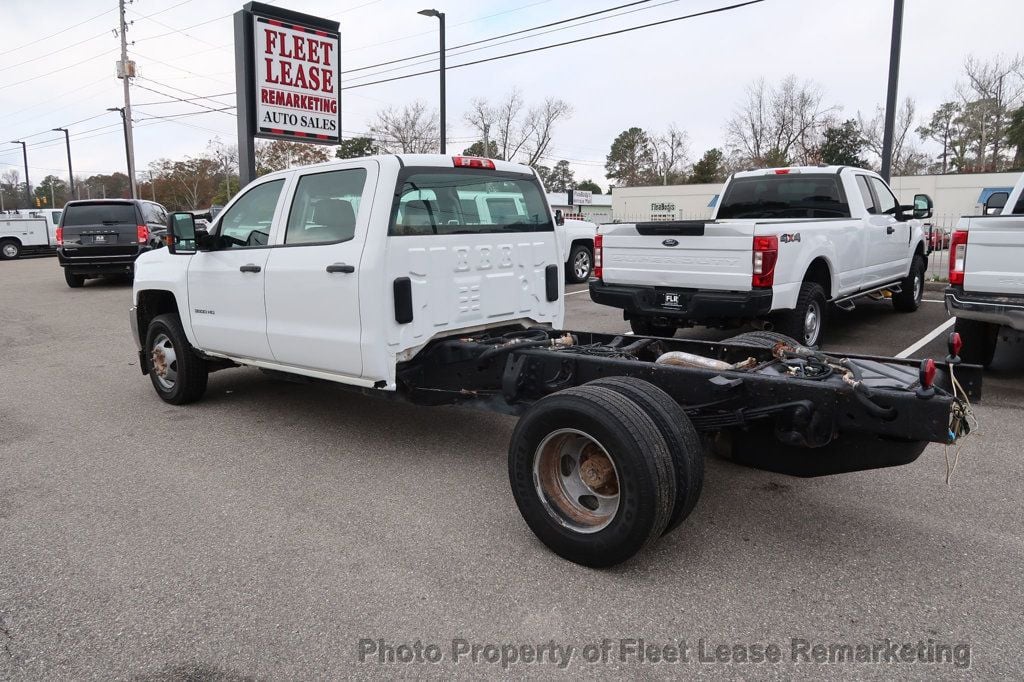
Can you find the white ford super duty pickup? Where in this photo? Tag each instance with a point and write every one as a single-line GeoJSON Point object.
{"type": "Point", "coordinates": [438, 280]}
{"type": "Point", "coordinates": [986, 277]}
{"type": "Point", "coordinates": [782, 245]}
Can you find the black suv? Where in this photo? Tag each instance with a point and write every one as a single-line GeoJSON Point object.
{"type": "Point", "coordinates": [104, 236]}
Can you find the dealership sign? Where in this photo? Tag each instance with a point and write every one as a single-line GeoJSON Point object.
{"type": "Point", "coordinates": [287, 69]}
{"type": "Point", "coordinates": [296, 80]}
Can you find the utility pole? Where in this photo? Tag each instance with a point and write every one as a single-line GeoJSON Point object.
{"type": "Point", "coordinates": [890, 100]}
{"type": "Point", "coordinates": [126, 70]}
{"type": "Point", "coordinates": [152, 185]}
{"type": "Point", "coordinates": [487, 141]}
{"type": "Point", "coordinates": [53, 200]}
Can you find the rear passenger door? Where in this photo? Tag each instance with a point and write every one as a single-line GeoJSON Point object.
{"type": "Point", "coordinates": [313, 274]}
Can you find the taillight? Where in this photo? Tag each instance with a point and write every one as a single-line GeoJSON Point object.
{"type": "Point", "coordinates": [60, 236]}
{"type": "Point", "coordinates": [472, 162]}
{"type": "Point", "coordinates": [957, 257]}
{"type": "Point", "coordinates": [143, 233]}
{"type": "Point", "coordinates": [766, 254]}
{"type": "Point", "coordinates": [599, 256]}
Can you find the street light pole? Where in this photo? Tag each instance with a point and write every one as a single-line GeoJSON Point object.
{"type": "Point", "coordinates": [890, 100]}
{"type": "Point", "coordinates": [440, 17]}
{"type": "Point", "coordinates": [24, 156]}
{"type": "Point", "coordinates": [71, 175]}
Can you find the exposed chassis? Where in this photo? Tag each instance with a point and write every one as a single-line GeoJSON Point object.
{"type": "Point", "coordinates": [793, 425]}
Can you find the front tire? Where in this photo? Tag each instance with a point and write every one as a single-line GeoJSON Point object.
{"type": "Point", "coordinates": [10, 249]}
{"type": "Point", "coordinates": [580, 265]}
{"type": "Point", "coordinates": [74, 281]}
{"type": "Point", "coordinates": [591, 475]}
{"type": "Point", "coordinates": [644, 327]}
{"type": "Point", "coordinates": [806, 322]}
{"type": "Point", "coordinates": [911, 288]}
{"type": "Point", "coordinates": [979, 339]}
{"type": "Point", "coordinates": [178, 374]}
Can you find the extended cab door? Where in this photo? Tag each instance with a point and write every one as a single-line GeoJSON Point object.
{"type": "Point", "coordinates": [313, 273]}
{"type": "Point", "coordinates": [887, 239]}
{"type": "Point", "coordinates": [225, 285]}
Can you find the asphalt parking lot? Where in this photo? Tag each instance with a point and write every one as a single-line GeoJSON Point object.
{"type": "Point", "coordinates": [263, 532]}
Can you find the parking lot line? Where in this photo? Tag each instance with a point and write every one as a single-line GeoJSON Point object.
{"type": "Point", "coordinates": [926, 339]}
{"type": "Point", "coordinates": [573, 293]}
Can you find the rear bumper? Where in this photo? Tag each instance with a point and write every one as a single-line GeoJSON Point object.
{"type": "Point", "coordinates": [993, 308]}
{"type": "Point", "coordinates": [106, 264]}
{"type": "Point", "coordinates": [694, 304]}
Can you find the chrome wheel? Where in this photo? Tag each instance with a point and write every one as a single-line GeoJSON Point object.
{"type": "Point", "coordinates": [576, 480]}
{"type": "Point", "coordinates": [581, 265]}
{"type": "Point", "coordinates": [165, 361]}
{"type": "Point", "coordinates": [812, 323]}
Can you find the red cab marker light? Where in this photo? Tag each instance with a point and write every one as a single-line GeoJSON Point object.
{"type": "Point", "coordinates": [782, 171]}
{"type": "Point", "coordinates": [472, 162]}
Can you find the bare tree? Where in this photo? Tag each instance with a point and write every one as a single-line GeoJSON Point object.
{"type": "Point", "coordinates": [782, 124]}
{"type": "Point", "coordinates": [670, 152]}
{"type": "Point", "coordinates": [988, 95]}
{"type": "Point", "coordinates": [518, 136]}
{"type": "Point", "coordinates": [409, 130]}
{"type": "Point", "coordinates": [539, 127]}
{"type": "Point", "coordinates": [907, 158]}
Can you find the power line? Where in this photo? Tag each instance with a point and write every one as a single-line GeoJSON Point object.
{"type": "Point", "coordinates": [63, 68]}
{"type": "Point", "coordinates": [36, 42]}
{"type": "Point", "coordinates": [193, 95]}
{"type": "Point", "coordinates": [504, 35]}
{"type": "Point", "coordinates": [529, 37]}
{"type": "Point", "coordinates": [562, 44]}
{"type": "Point", "coordinates": [53, 52]}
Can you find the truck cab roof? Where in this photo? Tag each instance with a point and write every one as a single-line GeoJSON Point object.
{"type": "Point", "coordinates": [420, 161]}
{"type": "Point", "coordinates": [797, 170]}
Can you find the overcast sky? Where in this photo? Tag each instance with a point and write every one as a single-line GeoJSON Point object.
{"type": "Point", "coordinates": [691, 73]}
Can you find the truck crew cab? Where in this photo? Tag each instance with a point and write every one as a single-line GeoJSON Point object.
{"type": "Point", "coordinates": [782, 245]}
{"type": "Point", "coordinates": [398, 277]}
{"type": "Point", "coordinates": [986, 275]}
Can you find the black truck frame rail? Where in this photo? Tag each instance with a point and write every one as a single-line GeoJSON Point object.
{"type": "Point", "coordinates": [780, 423]}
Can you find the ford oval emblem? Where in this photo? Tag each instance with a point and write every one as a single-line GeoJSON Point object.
{"type": "Point", "coordinates": [670, 242]}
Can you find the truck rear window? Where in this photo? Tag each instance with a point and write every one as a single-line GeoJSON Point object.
{"type": "Point", "coordinates": [784, 196]}
{"type": "Point", "coordinates": [455, 201]}
{"type": "Point", "coordinates": [99, 214]}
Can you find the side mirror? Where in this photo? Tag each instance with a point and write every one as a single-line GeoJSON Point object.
{"type": "Point", "coordinates": [923, 206]}
{"type": "Point", "coordinates": [559, 218]}
{"type": "Point", "coordinates": [181, 233]}
{"type": "Point", "coordinates": [996, 202]}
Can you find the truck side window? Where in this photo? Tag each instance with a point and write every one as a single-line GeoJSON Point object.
{"type": "Point", "coordinates": [886, 201]}
{"type": "Point", "coordinates": [865, 193]}
{"type": "Point", "coordinates": [247, 223]}
{"type": "Point", "coordinates": [1018, 208]}
{"type": "Point", "coordinates": [325, 207]}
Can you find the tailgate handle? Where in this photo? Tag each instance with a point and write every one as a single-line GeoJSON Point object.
{"type": "Point", "coordinates": [250, 267]}
{"type": "Point", "coordinates": [341, 267]}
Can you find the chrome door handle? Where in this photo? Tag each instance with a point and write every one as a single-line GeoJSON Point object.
{"type": "Point", "coordinates": [341, 267]}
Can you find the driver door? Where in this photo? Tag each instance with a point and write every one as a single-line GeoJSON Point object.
{"type": "Point", "coordinates": [226, 285]}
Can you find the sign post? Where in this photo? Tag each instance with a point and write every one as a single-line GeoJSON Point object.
{"type": "Point", "coordinates": [286, 80]}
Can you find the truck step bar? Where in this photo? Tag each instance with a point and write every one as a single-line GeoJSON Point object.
{"type": "Point", "coordinates": [847, 303]}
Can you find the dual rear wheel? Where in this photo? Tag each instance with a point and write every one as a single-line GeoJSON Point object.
{"type": "Point", "coordinates": [603, 470]}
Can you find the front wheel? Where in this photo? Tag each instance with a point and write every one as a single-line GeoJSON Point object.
{"type": "Point", "coordinates": [979, 339]}
{"type": "Point", "coordinates": [644, 327]}
{"type": "Point", "coordinates": [592, 475]}
{"type": "Point", "coordinates": [581, 262]}
{"type": "Point", "coordinates": [178, 374]}
{"type": "Point", "coordinates": [911, 288]}
{"type": "Point", "coordinates": [805, 322]}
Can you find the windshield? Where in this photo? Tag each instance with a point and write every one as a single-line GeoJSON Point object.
{"type": "Point", "coordinates": [443, 201]}
{"type": "Point", "coordinates": [99, 214]}
{"type": "Point", "coordinates": [784, 196]}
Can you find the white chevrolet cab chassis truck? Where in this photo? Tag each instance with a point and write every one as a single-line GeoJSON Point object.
{"type": "Point", "coordinates": [437, 280]}
{"type": "Point", "coordinates": [782, 245]}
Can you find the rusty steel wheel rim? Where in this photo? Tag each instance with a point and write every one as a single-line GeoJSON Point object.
{"type": "Point", "coordinates": [165, 362]}
{"type": "Point", "coordinates": [576, 480]}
